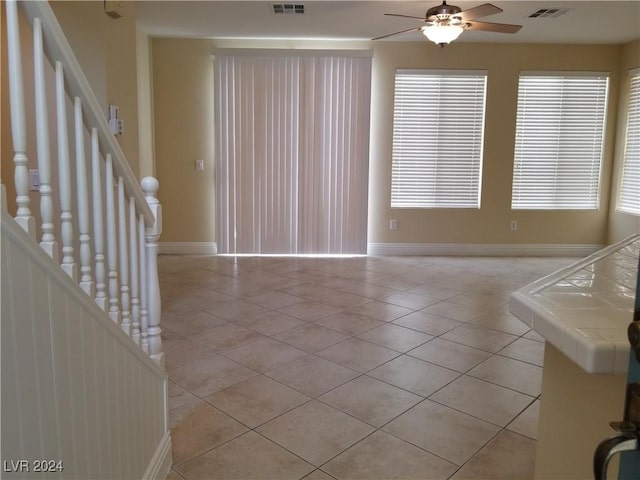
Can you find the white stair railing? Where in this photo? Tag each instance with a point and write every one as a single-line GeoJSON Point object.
{"type": "Point", "coordinates": [115, 207]}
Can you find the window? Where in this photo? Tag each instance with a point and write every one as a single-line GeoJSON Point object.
{"type": "Point", "coordinates": [292, 151]}
{"type": "Point", "coordinates": [559, 140]}
{"type": "Point", "coordinates": [629, 200]}
{"type": "Point", "coordinates": [438, 131]}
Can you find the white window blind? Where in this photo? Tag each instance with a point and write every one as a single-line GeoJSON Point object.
{"type": "Point", "coordinates": [292, 151]}
{"type": "Point", "coordinates": [438, 132]}
{"type": "Point", "coordinates": [559, 140]}
{"type": "Point", "coordinates": [629, 200]}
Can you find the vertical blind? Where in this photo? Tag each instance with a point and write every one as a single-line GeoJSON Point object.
{"type": "Point", "coordinates": [291, 145]}
{"type": "Point", "coordinates": [438, 133]}
{"type": "Point", "coordinates": [559, 140]}
{"type": "Point", "coordinates": [629, 200]}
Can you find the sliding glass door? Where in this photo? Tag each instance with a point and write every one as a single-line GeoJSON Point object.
{"type": "Point", "coordinates": [292, 151]}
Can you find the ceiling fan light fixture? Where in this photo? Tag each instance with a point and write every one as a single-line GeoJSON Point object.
{"type": "Point", "coordinates": [442, 34]}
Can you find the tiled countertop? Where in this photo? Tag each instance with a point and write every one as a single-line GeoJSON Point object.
{"type": "Point", "coordinates": [584, 309]}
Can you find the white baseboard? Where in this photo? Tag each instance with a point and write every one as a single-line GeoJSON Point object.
{"type": "Point", "coordinates": [482, 250]}
{"type": "Point", "coordinates": [161, 462]}
{"type": "Point", "coordinates": [188, 248]}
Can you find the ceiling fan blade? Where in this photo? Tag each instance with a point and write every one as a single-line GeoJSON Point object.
{"type": "Point", "coordinates": [478, 12]}
{"type": "Point", "coordinates": [397, 33]}
{"type": "Point", "coordinates": [404, 16]}
{"type": "Point", "coordinates": [493, 27]}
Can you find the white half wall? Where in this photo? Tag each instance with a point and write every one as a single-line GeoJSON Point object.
{"type": "Point", "coordinates": [75, 388]}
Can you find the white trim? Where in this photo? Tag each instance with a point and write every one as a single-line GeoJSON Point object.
{"type": "Point", "coordinates": [565, 73]}
{"type": "Point", "coordinates": [267, 52]}
{"type": "Point", "coordinates": [161, 461]}
{"type": "Point", "coordinates": [482, 250]}
{"type": "Point", "coordinates": [188, 248]}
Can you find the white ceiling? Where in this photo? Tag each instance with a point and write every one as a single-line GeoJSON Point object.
{"type": "Point", "coordinates": [596, 22]}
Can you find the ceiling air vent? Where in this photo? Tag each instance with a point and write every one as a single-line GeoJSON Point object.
{"type": "Point", "coordinates": [549, 13]}
{"type": "Point", "coordinates": [288, 8]}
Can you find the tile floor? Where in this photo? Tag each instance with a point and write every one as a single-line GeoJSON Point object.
{"type": "Point", "coordinates": [352, 368]}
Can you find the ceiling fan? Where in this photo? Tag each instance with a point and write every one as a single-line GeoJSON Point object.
{"type": "Point", "coordinates": [445, 23]}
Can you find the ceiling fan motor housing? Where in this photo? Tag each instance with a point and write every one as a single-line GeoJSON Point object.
{"type": "Point", "coordinates": [443, 13]}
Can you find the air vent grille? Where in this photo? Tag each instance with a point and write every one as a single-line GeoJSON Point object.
{"type": "Point", "coordinates": [549, 13]}
{"type": "Point", "coordinates": [285, 8]}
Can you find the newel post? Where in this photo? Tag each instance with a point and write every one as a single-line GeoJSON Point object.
{"type": "Point", "coordinates": [150, 187]}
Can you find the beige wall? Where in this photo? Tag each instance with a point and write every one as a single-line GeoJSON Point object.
{"type": "Point", "coordinates": [106, 50]}
{"type": "Point", "coordinates": [491, 223]}
{"type": "Point", "coordinates": [183, 120]}
{"type": "Point", "coordinates": [183, 87]}
{"type": "Point", "coordinates": [621, 225]}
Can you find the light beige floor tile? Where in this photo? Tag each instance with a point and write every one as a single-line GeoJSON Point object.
{"type": "Point", "coordinates": [239, 289]}
{"type": "Point", "coordinates": [264, 354]}
{"type": "Point", "coordinates": [191, 322]}
{"type": "Point", "coordinates": [343, 299]}
{"type": "Point", "coordinates": [310, 291]}
{"type": "Point", "coordinates": [455, 311]}
{"type": "Point", "coordinates": [225, 337]}
{"type": "Point", "coordinates": [197, 427]}
{"type": "Point", "coordinates": [479, 301]}
{"type": "Point", "coordinates": [502, 322]}
{"type": "Point", "coordinates": [248, 457]}
{"type": "Point", "coordinates": [256, 400]}
{"type": "Point", "coordinates": [318, 475]}
{"type": "Point", "coordinates": [427, 323]}
{"type": "Point", "coordinates": [311, 337]}
{"type": "Point", "coordinates": [527, 422]}
{"type": "Point", "coordinates": [357, 354]}
{"type": "Point", "coordinates": [274, 300]}
{"type": "Point", "coordinates": [179, 351]}
{"type": "Point", "coordinates": [439, 430]}
{"type": "Point", "coordinates": [526, 350]}
{"type": "Point", "coordinates": [270, 323]}
{"type": "Point", "coordinates": [385, 312]}
{"type": "Point", "coordinates": [383, 456]}
{"type": "Point", "coordinates": [436, 291]}
{"type": "Point", "coordinates": [178, 396]}
{"type": "Point", "coordinates": [449, 354]}
{"type": "Point", "coordinates": [315, 432]}
{"type": "Point", "coordinates": [414, 375]}
{"type": "Point", "coordinates": [236, 309]}
{"type": "Point", "coordinates": [395, 337]}
{"type": "Point", "coordinates": [508, 456]}
{"type": "Point", "coordinates": [480, 338]}
{"type": "Point", "coordinates": [309, 311]}
{"type": "Point", "coordinates": [349, 323]}
{"type": "Point", "coordinates": [312, 375]}
{"type": "Point", "coordinates": [520, 376]}
{"type": "Point", "coordinates": [368, 290]}
{"type": "Point", "coordinates": [483, 400]}
{"type": "Point", "coordinates": [531, 335]}
{"type": "Point", "coordinates": [370, 400]}
{"type": "Point", "coordinates": [173, 475]}
{"type": "Point", "coordinates": [410, 300]}
{"type": "Point", "coordinates": [209, 375]}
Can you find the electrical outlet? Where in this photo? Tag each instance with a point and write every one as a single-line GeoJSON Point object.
{"type": "Point", "coordinates": [34, 180]}
{"type": "Point", "coordinates": [514, 225]}
{"type": "Point", "coordinates": [393, 224]}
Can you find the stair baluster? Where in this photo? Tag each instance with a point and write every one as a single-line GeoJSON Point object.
{"type": "Point", "coordinates": [124, 260]}
{"type": "Point", "coordinates": [48, 241]}
{"type": "Point", "coordinates": [86, 280]}
{"type": "Point", "coordinates": [64, 176]}
{"type": "Point", "coordinates": [98, 219]}
{"type": "Point", "coordinates": [18, 123]}
{"type": "Point", "coordinates": [112, 253]}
